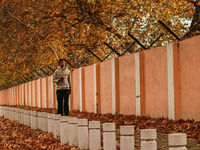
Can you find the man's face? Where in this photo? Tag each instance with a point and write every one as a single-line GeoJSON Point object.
{"type": "Point", "coordinates": [62, 63]}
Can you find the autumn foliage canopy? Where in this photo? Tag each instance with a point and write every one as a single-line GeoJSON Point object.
{"type": "Point", "coordinates": [29, 29]}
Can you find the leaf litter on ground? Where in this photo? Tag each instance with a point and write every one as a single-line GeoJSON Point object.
{"type": "Point", "coordinates": [164, 126]}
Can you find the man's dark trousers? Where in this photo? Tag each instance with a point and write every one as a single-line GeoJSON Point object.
{"type": "Point", "coordinates": [60, 95]}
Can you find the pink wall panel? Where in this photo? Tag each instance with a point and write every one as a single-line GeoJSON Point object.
{"type": "Point", "coordinates": [43, 92]}
{"type": "Point", "coordinates": [127, 91]}
{"type": "Point", "coordinates": [189, 56]}
{"type": "Point", "coordinates": [50, 91]}
{"type": "Point", "coordinates": [76, 90]}
{"type": "Point", "coordinates": [3, 100]}
{"type": "Point", "coordinates": [106, 87]}
{"type": "Point", "coordinates": [89, 88]}
{"type": "Point", "coordinates": [156, 82]}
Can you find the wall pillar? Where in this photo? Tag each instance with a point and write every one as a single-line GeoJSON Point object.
{"type": "Point", "coordinates": [174, 102]}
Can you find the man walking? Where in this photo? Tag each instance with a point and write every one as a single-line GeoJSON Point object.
{"type": "Point", "coordinates": [63, 87]}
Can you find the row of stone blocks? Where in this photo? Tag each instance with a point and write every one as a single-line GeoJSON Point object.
{"type": "Point", "coordinates": [78, 132]}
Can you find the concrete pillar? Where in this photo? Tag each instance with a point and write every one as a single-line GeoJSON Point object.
{"type": "Point", "coordinates": [40, 120]}
{"type": "Point", "coordinates": [56, 125]}
{"type": "Point", "coordinates": [35, 119]}
{"type": "Point", "coordinates": [50, 123]}
{"type": "Point", "coordinates": [148, 137]}
{"type": "Point", "coordinates": [4, 111]}
{"type": "Point", "coordinates": [177, 141]}
{"type": "Point", "coordinates": [109, 136]}
{"type": "Point", "coordinates": [16, 114]}
{"type": "Point", "coordinates": [44, 122]}
{"type": "Point", "coordinates": [13, 113]}
{"type": "Point", "coordinates": [22, 116]}
{"type": "Point", "coordinates": [25, 120]}
{"type": "Point", "coordinates": [25, 117]}
{"type": "Point", "coordinates": [7, 113]}
{"type": "Point", "coordinates": [1, 110]}
{"type": "Point", "coordinates": [10, 113]}
{"type": "Point", "coordinates": [31, 119]}
{"type": "Point", "coordinates": [64, 129]}
{"type": "Point", "coordinates": [73, 131]}
{"type": "Point", "coordinates": [127, 140]}
{"type": "Point", "coordinates": [28, 119]}
{"type": "Point", "coordinates": [94, 135]}
{"type": "Point", "coordinates": [83, 133]}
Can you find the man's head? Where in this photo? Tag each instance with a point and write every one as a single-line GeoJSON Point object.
{"type": "Point", "coordinates": [62, 62]}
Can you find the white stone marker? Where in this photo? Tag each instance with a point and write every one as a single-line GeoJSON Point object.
{"type": "Point", "coordinates": [31, 119]}
{"type": "Point", "coordinates": [6, 113]}
{"type": "Point", "coordinates": [94, 135]}
{"type": "Point", "coordinates": [25, 117]}
{"type": "Point", "coordinates": [56, 125]}
{"type": "Point", "coordinates": [40, 120]}
{"type": "Point", "coordinates": [50, 122]}
{"type": "Point", "coordinates": [11, 117]}
{"type": "Point", "coordinates": [35, 119]}
{"type": "Point", "coordinates": [22, 116]}
{"type": "Point", "coordinates": [109, 136]}
{"type": "Point", "coordinates": [13, 114]}
{"type": "Point", "coordinates": [10, 114]}
{"type": "Point", "coordinates": [127, 140]}
{"type": "Point", "coordinates": [19, 115]}
{"type": "Point", "coordinates": [83, 134]}
{"type": "Point", "coordinates": [44, 126]}
{"type": "Point", "coordinates": [1, 110]}
{"type": "Point", "coordinates": [148, 137]}
{"type": "Point", "coordinates": [28, 118]}
{"type": "Point", "coordinates": [177, 141]}
{"type": "Point", "coordinates": [73, 131]}
{"type": "Point", "coordinates": [64, 129]}
{"type": "Point", "coordinates": [16, 115]}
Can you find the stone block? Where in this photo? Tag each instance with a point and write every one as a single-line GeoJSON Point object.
{"type": "Point", "coordinates": [149, 145]}
{"type": "Point", "coordinates": [127, 130]}
{"type": "Point", "coordinates": [148, 134]}
{"type": "Point", "coordinates": [73, 131]}
{"type": "Point", "coordinates": [64, 133]}
{"type": "Point", "coordinates": [83, 142]}
{"type": "Point", "coordinates": [177, 139]}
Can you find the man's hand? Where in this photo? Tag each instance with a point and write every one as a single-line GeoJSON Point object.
{"type": "Point", "coordinates": [61, 79]}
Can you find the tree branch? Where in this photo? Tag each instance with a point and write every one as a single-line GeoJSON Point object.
{"type": "Point", "coordinates": [54, 51]}
{"type": "Point", "coordinates": [16, 18]}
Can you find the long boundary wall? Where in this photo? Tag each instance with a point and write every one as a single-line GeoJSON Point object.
{"type": "Point", "coordinates": [159, 82]}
